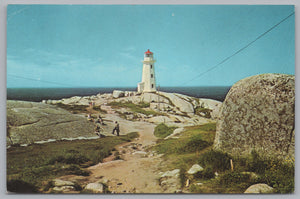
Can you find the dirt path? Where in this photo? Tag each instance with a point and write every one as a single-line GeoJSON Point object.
{"type": "Point", "coordinates": [137, 170]}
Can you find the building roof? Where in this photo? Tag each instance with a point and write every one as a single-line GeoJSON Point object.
{"type": "Point", "coordinates": [148, 52]}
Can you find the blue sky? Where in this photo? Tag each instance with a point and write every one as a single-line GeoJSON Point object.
{"type": "Point", "coordinates": [103, 45]}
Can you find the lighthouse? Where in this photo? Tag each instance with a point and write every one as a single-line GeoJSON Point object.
{"type": "Point", "coordinates": [148, 76]}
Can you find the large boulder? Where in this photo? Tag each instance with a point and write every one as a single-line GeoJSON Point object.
{"type": "Point", "coordinates": [30, 122]}
{"type": "Point", "coordinates": [258, 113]}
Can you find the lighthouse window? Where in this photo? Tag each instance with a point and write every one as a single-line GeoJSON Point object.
{"type": "Point", "coordinates": [152, 85]}
{"type": "Point", "coordinates": [151, 75]}
{"type": "Point", "coordinates": [151, 66]}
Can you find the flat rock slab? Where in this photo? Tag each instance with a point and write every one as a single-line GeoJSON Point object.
{"type": "Point", "coordinates": [30, 122]}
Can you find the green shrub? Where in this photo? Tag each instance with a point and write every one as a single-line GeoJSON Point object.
{"type": "Point", "coordinates": [231, 178]}
{"type": "Point", "coordinates": [195, 143]}
{"type": "Point", "coordinates": [256, 164]}
{"type": "Point", "coordinates": [218, 160]}
{"type": "Point", "coordinates": [276, 173]}
{"type": "Point", "coordinates": [280, 176]}
{"type": "Point", "coordinates": [182, 176]}
{"type": "Point", "coordinates": [19, 186]}
{"type": "Point", "coordinates": [69, 159]}
{"type": "Point", "coordinates": [163, 130]}
{"type": "Point", "coordinates": [196, 189]}
{"type": "Point", "coordinates": [207, 173]}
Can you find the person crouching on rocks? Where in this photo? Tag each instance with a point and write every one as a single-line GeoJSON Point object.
{"type": "Point", "coordinates": [117, 128]}
{"type": "Point", "coordinates": [98, 130]}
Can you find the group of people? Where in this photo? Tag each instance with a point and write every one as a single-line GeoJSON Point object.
{"type": "Point", "coordinates": [98, 125]}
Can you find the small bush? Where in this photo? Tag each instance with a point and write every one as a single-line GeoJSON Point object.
{"type": "Point", "coordinates": [76, 170]}
{"type": "Point", "coordinates": [256, 164]}
{"type": "Point", "coordinates": [163, 130]}
{"type": "Point", "coordinates": [207, 173]}
{"type": "Point", "coordinates": [19, 186]}
{"type": "Point", "coordinates": [276, 173]}
{"type": "Point", "coordinates": [69, 159]}
{"type": "Point", "coordinates": [231, 178]}
{"type": "Point", "coordinates": [280, 176]}
{"type": "Point", "coordinates": [195, 143]}
{"type": "Point", "coordinates": [182, 177]}
{"type": "Point", "coordinates": [218, 160]}
{"type": "Point", "coordinates": [196, 189]}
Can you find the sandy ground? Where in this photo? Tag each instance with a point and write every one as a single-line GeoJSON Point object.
{"type": "Point", "coordinates": [137, 170]}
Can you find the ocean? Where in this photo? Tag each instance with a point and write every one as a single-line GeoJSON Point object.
{"type": "Point", "coordinates": [39, 94]}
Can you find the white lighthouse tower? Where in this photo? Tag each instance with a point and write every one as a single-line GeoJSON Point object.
{"type": "Point", "coordinates": [148, 77]}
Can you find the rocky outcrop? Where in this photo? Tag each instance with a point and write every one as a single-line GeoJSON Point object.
{"type": "Point", "coordinates": [64, 186]}
{"type": "Point", "coordinates": [260, 188]}
{"type": "Point", "coordinates": [170, 181]}
{"type": "Point", "coordinates": [179, 101]}
{"type": "Point", "coordinates": [172, 104]}
{"type": "Point", "coordinates": [258, 113]}
{"type": "Point", "coordinates": [195, 168]}
{"type": "Point", "coordinates": [212, 105]}
{"type": "Point", "coordinates": [95, 187]}
{"type": "Point", "coordinates": [117, 94]}
{"type": "Point", "coordinates": [30, 122]}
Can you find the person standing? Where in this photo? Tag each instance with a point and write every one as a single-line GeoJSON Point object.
{"type": "Point", "coordinates": [117, 128]}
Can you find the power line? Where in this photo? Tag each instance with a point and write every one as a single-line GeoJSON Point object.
{"type": "Point", "coordinates": [16, 13]}
{"type": "Point", "coordinates": [37, 80]}
{"type": "Point", "coordinates": [240, 50]}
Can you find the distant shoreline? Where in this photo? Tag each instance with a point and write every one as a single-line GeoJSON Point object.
{"type": "Point", "coordinates": [39, 94]}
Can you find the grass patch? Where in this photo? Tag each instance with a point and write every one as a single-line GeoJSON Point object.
{"type": "Point", "coordinates": [278, 174]}
{"type": "Point", "coordinates": [275, 173]}
{"type": "Point", "coordinates": [218, 160]}
{"type": "Point", "coordinates": [39, 162]}
{"type": "Point", "coordinates": [195, 146]}
{"type": "Point", "coordinates": [182, 152]}
{"type": "Point", "coordinates": [136, 108]}
{"type": "Point", "coordinates": [73, 108]}
{"type": "Point", "coordinates": [194, 139]}
{"type": "Point", "coordinates": [162, 130]}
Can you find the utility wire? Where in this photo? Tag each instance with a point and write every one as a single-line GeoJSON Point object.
{"type": "Point", "coordinates": [240, 50]}
{"type": "Point", "coordinates": [49, 82]}
{"type": "Point", "coordinates": [16, 13]}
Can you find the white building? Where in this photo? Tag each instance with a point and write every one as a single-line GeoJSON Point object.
{"type": "Point", "coordinates": [148, 76]}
